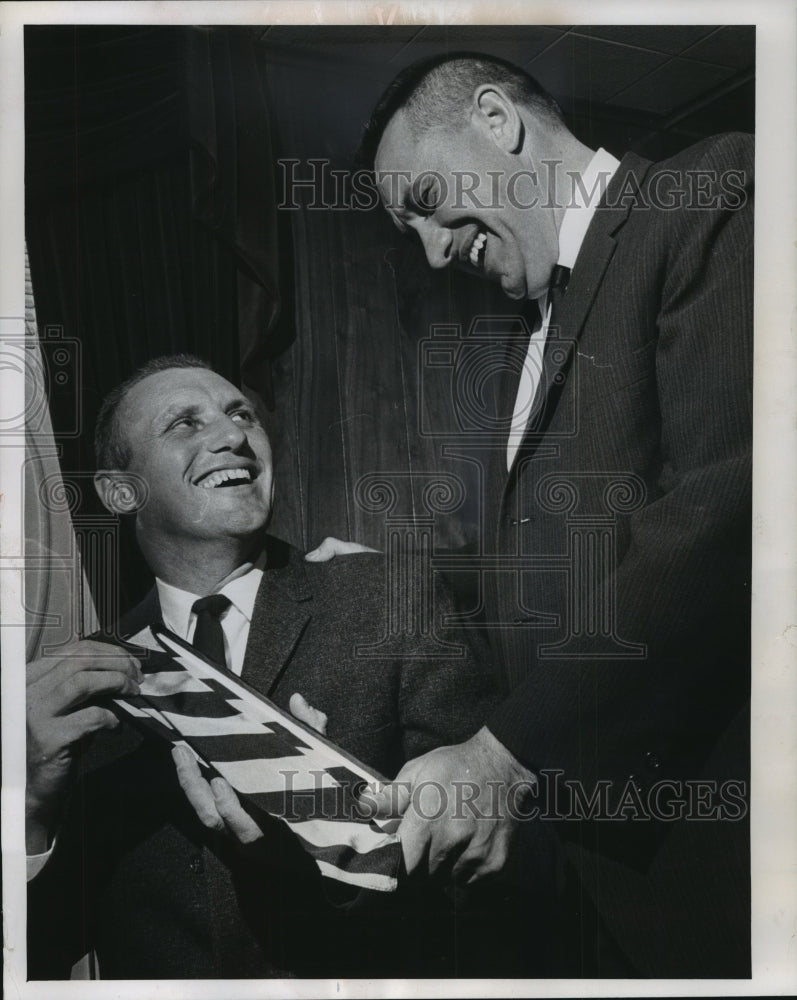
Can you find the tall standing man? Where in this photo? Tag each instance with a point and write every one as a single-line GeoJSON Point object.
{"type": "Point", "coordinates": [632, 409]}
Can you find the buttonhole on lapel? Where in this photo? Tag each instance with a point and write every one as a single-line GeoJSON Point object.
{"type": "Point", "coordinates": [595, 364]}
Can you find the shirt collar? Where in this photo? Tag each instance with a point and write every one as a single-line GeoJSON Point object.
{"type": "Point", "coordinates": [583, 202]}
{"type": "Point", "coordinates": [240, 586]}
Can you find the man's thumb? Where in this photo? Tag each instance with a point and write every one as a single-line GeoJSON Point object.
{"type": "Point", "coordinates": [386, 801]}
{"type": "Point", "coordinates": [332, 547]}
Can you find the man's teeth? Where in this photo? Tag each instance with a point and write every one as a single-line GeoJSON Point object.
{"type": "Point", "coordinates": [476, 248]}
{"type": "Point", "coordinates": [223, 476]}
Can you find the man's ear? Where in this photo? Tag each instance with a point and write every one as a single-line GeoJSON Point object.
{"type": "Point", "coordinates": [120, 492]}
{"type": "Point", "coordinates": [496, 114]}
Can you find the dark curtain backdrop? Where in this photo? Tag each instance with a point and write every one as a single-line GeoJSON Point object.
{"type": "Point", "coordinates": [150, 221]}
{"type": "Point", "coordinates": [351, 400]}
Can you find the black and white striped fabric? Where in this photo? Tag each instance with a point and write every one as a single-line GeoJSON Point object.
{"type": "Point", "coordinates": [274, 763]}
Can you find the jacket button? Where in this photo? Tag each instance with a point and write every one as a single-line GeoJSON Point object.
{"type": "Point", "coordinates": [196, 864]}
{"type": "Point", "coordinates": [652, 760]}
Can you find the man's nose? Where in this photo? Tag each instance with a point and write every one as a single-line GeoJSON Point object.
{"type": "Point", "coordinates": [223, 433]}
{"type": "Point", "coordinates": [437, 244]}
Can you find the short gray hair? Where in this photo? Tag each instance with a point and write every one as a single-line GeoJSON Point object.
{"type": "Point", "coordinates": [437, 93]}
{"type": "Point", "coordinates": [111, 448]}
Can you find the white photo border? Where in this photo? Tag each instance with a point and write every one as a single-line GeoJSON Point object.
{"type": "Point", "coordinates": [774, 704]}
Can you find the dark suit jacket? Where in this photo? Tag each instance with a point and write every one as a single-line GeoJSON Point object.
{"type": "Point", "coordinates": [135, 875]}
{"type": "Point", "coordinates": [651, 391]}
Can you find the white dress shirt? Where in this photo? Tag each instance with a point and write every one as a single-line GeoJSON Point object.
{"type": "Point", "coordinates": [575, 222]}
{"type": "Point", "coordinates": [240, 586]}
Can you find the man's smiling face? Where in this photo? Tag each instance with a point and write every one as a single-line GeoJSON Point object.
{"type": "Point", "coordinates": [203, 453]}
{"type": "Point", "coordinates": [492, 233]}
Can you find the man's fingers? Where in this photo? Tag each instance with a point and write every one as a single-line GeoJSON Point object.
{"type": "Point", "coordinates": [75, 688]}
{"type": "Point", "coordinates": [392, 798]}
{"type": "Point", "coordinates": [386, 800]}
{"type": "Point", "coordinates": [305, 713]}
{"type": "Point", "coordinates": [485, 853]}
{"type": "Point", "coordinates": [332, 547]}
{"type": "Point", "coordinates": [85, 655]}
{"type": "Point", "coordinates": [98, 658]}
{"type": "Point", "coordinates": [215, 803]}
{"type": "Point", "coordinates": [470, 868]}
{"type": "Point", "coordinates": [86, 721]}
{"type": "Point", "coordinates": [436, 845]}
{"type": "Point", "coordinates": [47, 743]}
{"type": "Point", "coordinates": [234, 815]}
{"type": "Point", "coordinates": [414, 837]}
{"type": "Point", "coordinates": [197, 790]}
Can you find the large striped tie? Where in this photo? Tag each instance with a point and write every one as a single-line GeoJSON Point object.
{"type": "Point", "coordinates": [279, 767]}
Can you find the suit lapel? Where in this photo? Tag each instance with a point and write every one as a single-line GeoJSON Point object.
{"type": "Point", "coordinates": [148, 612]}
{"type": "Point", "coordinates": [593, 259]}
{"type": "Point", "coordinates": [281, 613]}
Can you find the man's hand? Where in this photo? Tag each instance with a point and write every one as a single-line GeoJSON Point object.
{"type": "Point", "coordinates": [215, 802]}
{"type": "Point", "coordinates": [62, 696]}
{"type": "Point", "coordinates": [460, 806]}
{"type": "Point", "coordinates": [332, 547]}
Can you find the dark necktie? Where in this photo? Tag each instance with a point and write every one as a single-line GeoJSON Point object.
{"type": "Point", "coordinates": [557, 286]}
{"type": "Point", "coordinates": [209, 635]}
{"type": "Point", "coordinates": [556, 290]}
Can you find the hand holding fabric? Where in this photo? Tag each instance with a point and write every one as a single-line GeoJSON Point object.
{"type": "Point", "coordinates": [61, 710]}
{"type": "Point", "coordinates": [215, 802]}
{"type": "Point", "coordinates": [460, 806]}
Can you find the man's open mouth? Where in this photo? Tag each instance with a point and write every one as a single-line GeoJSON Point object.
{"type": "Point", "coordinates": [477, 250]}
{"type": "Point", "coordinates": [222, 478]}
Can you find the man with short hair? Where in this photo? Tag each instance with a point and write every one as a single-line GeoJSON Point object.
{"type": "Point", "coordinates": [166, 885]}
{"type": "Point", "coordinates": [628, 440]}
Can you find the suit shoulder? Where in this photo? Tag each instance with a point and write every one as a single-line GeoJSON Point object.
{"type": "Point", "coordinates": [367, 587]}
{"type": "Point", "coordinates": [729, 150]}
{"type": "Point", "coordinates": [352, 572]}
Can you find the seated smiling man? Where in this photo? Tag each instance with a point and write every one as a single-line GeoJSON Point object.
{"type": "Point", "coordinates": [156, 881]}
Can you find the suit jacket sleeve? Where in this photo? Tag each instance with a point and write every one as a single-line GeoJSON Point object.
{"type": "Point", "coordinates": [445, 699]}
{"type": "Point", "coordinates": [682, 586]}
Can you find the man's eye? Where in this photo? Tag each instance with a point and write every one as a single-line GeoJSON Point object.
{"type": "Point", "coordinates": [425, 195]}
{"type": "Point", "coordinates": [243, 416]}
{"type": "Point", "coordinates": [183, 422]}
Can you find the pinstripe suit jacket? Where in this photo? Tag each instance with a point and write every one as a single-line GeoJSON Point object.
{"type": "Point", "coordinates": [634, 667]}
{"type": "Point", "coordinates": [136, 877]}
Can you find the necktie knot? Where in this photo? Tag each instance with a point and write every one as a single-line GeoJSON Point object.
{"type": "Point", "coordinates": [209, 635]}
{"type": "Point", "coordinates": [560, 276]}
{"type": "Point", "coordinates": [213, 605]}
